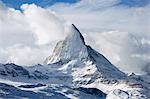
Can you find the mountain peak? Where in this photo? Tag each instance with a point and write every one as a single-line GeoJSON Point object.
{"type": "Point", "coordinates": [72, 47]}
{"type": "Point", "coordinates": [81, 37]}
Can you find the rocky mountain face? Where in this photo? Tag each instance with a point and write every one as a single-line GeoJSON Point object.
{"type": "Point", "coordinates": [74, 70]}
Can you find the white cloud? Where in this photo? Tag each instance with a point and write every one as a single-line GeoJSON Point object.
{"type": "Point", "coordinates": [45, 24]}
{"type": "Point", "coordinates": [24, 55]}
{"type": "Point", "coordinates": [100, 15]}
{"type": "Point", "coordinates": [27, 37]}
{"type": "Point", "coordinates": [125, 50]}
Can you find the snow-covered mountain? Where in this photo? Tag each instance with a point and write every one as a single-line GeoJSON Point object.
{"type": "Point", "coordinates": [80, 61]}
{"type": "Point", "coordinates": [74, 70]}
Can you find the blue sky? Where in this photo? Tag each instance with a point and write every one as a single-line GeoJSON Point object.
{"type": "Point", "coordinates": [135, 3]}
{"type": "Point", "coordinates": [43, 3]}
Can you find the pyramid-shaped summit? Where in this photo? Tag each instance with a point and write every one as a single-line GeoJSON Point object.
{"type": "Point", "coordinates": [74, 48]}
{"type": "Point", "coordinates": [71, 48]}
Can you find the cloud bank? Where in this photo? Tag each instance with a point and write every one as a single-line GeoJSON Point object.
{"type": "Point", "coordinates": [28, 36]}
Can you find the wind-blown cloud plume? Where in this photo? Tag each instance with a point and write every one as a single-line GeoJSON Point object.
{"type": "Point", "coordinates": [28, 36]}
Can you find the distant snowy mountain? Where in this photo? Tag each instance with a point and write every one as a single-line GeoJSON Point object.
{"type": "Point", "coordinates": [14, 71]}
{"type": "Point", "coordinates": [75, 71]}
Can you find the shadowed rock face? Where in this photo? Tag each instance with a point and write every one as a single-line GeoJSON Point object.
{"type": "Point", "coordinates": [93, 91]}
{"type": "Point", "coordinates": [82, 38]}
